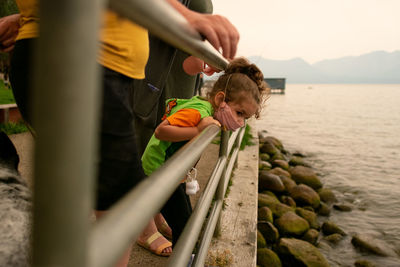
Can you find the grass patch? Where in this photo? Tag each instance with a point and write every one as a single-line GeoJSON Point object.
{"type": "Point", "coordinates": [13, 128]}
{"type": "Point", "coordinates": [247, 137]}
{"type": "Point", "coordinates": [6, 94]}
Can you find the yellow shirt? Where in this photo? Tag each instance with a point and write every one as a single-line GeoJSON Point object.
{"type": "Point", "coordinates": [124, 45]}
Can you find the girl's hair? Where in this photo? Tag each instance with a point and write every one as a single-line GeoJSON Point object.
{"type": "Point", "coordinates": [241, 78]}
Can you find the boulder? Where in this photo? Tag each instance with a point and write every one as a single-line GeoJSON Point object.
{"type": "Point", "coordinates": [326, 195]}
{"type": "Point", "coordinates": [269, 231]}
{"type": "Point", "coordinates": [269, 148]}
{"type": "Point", "coordinates": [279, 209]}
{"type": "Point", "coordinates": [288, 201]}
{"type": "Point", "coordinates": [278, 156]}
{"type": "Point", "coordinates": [370, 244]}
{"type": "Point", "coordinates": [323, 209]}
{"type": "Point", "coordinates": [342, 207]}
{"type": "Point", "coordinates": [329, 228]}
{"type": "Point", "coordinates": [265, 214]}
{"type": "Point", "coordinates": [309, 216]}
{"type": "Point", "coordinates": [264, 165]}
{"type": "Point", "coordinates": [305, 195]}
{"type": "Point", "coordinates": [280, 172]}
{"type": "Point", "coordinates": [261, 243]}
{"type": "Point", "coordinates": [265, 200]}
{"type": "Point", "coordinates": [290, 224]}
{"type": "Point", "coordinates": [333, 238]}
{"type": "Point", "coordinates": [295, 252]}
{"type": "Point", "coordinates": [267, 258]}
{"type": "Point", "coordinates": [264, 157]}
{"type": "Point", "coordinates": [272, 140]}
{"type": "Point", "coordinates": [281, 164]}
{"type": "Point", "coordinates": [311, 236]}
{"type": "Point", "coordinates": [305, 175]}
{"type": "Point", "coordinates": [288, 183]}
{"type": "Point", "coordinates": [269, 181]}
{"type": "Point", "coordinates": [296, 160]}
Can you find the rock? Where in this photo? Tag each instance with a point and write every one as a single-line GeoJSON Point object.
{"type": "Point", "coordinates": [269, 148]}
{"type": "Point", "coordinates": [288, 201]}
{"type": "Point", "coordinates": [333, 238]}
{"type": "Point", "coordinates": [305, 175]}
{"type": "Point", "coordinates": [295, 161]}
{"type": "Point", "coordinates": [311, 236]}
{"type": "Point", "coordinates": [290, 224]}
{"type": "Point", "coordinates": [323, 209]}
{"type": "Point", "coordinates": [305, 195]}
{"type": "Point", "coordinates": [265, 214]}
{"type": "Point", "coordinates": [368, 243]}
{"type": "Point", "coordinates": [279, 209]}
{"type": "Point", "coordinates": [269, 231]}
{"type": "Point", "coordinates": [267, 258]}
{"type": "Point", "coordinates": [269, 181]}
{"type": "Point", "coordinates": [272, 140]}
{"type": "Point", "coordinates": [363, 263]}
{"type": "Point", "coordinates": [309, 216]}
{"type": "Point", "coordinates": [281, 164]}
{"type": "Point", "coordinates": [326, 195]}
{"type": "Point", "coordinates": [342, 207]}
{"type": "Point", "coordinates": [264, 157]}
{"type": "Point", "coordinates": [280, 172]}
{"type": "Point", "coordinates": [329, 228]}
{"type": "Point", "coordinates": [288, 183]}
{"type": "Point", "coordinates": [264, 165]}
{"type": "Point", "coordinates": [265, 200]}
{"type": "Point", "coordinates": [261, 243]}
{"type": "Point", "coordinates": [295, 252]}
{"type": "Point", "coordinates": [278, 156]}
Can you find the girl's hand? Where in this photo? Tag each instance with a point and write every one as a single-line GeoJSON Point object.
{"type": "Point", "coordinates": [207, 121]}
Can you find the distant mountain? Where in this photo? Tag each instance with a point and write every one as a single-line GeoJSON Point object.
{"type": "Point", "coordinates": [375, 67]}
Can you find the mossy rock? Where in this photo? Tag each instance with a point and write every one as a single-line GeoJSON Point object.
{"type": "Point", "coordinates": [305, 175]}
{"type": "Point", "coordinates": [264, 156]}
{"type": "Point", "coordinates": [329, 228]}
{"type": "Point", "coordinates": [290, 224]}
{"type": "Point", "coordinates": [261, 243]}
{"type": "Point", "coordinates": [370, 244]}
{"type": "Point", "coordinates": [288, 183]}
{"type": "Point", "coordinates": [296, 252]}
{"type": "Point", "coordinates": [326, 195]}
{"type": "Point", "coordinates": [334, 238]}
{"type": "Point", "coordinates": [342, 207]}
{"type": "Point", "coordinates": [267, 258]}
{"type": "Point", "coordinates": [280, 172]}
{"type": "Point", "coordinates": [305, 196]}
{"type": "Point", "coordinates": [323, 209]}
{"type": "Point", "coordinates": [311, 236]}
{"type": "Point", "coordinates": [265, 200]}
{"type": "Point", "coordinates": [287, 200]}
{"type": "Point", "coordinates": [309, 216]}
{"type": "Point", "coordinates": [269, 231]}
{"type": "Point", "coordinates": [269, 181]}
{"type": "Point", "coordinates": [281, 164]}
{"type": "Point", "coordinates": [269, 149]}
{"type": "Point", "coordinates": [296, 160]}
{"type": "Point", "coordinates": [279, 209]}
{"type": "Point", "coordinates": [265, 214]}
{"type": "Point", "coordinates": [264, 165]}
{"type": "Point", "coordinates": [363, 263]}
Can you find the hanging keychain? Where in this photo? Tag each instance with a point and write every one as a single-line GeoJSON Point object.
{"type": "Point", "coordinates": [192, 186]}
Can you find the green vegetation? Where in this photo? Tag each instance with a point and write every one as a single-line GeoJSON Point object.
{"type": "Point", "coordinates": [247, 137]}
{"type": "Point", "coordinates": [6, 95]}
{"type": "Point", "coordinates": [8, 7]}
{"type": "Point", "coordinates": [13, 128]}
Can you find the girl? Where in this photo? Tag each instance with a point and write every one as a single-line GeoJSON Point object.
{"type": "Point", "coordinates": [236, 96]}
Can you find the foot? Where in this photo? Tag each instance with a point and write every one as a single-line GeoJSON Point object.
{"type": "Point", "coordinates": [156, 243]}
{"type": "Point", "coordinates": [163, 226]}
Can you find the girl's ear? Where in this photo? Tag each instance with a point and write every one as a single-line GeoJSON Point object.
{"type": "Point", "coordinates": [219, 98]}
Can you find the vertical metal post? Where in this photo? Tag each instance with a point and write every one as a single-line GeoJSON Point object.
{"type": "Point", "coordinates": [223, 152]}
{"type": "Point", "coordinates": [65, 100]}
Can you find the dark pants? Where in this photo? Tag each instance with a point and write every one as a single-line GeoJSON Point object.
{"type": "Point", "coordinates": [177, 211]}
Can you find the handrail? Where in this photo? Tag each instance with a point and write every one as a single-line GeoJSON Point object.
{"type": "Point", "coordinates": [168, 24]}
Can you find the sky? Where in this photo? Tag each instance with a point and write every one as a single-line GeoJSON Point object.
{"type": "Point", "coordinates": [313, 29]}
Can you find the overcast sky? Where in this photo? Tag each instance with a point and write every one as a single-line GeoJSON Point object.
{"type": "Point", "coordinates": [313, 29]}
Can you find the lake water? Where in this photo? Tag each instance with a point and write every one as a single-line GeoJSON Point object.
{"type": "Point", "coordinates": [351, 136]}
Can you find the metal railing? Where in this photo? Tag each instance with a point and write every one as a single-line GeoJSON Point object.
{"type": "Point", "coordinates": [65, 159]}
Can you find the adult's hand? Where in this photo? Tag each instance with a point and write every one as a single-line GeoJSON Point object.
{"type": "Point", "coordinates": [9, 27]}
{"type": "Point", "coordinates": [217, 29]}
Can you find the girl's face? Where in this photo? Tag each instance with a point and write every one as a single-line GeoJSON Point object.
{"type": "Point", "coordinates": [243, 108]}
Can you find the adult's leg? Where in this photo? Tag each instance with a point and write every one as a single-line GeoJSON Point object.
{"type": "Point", "coordinates": [177, 211]}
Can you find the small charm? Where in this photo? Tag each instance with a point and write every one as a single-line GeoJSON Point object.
{"type": "Point", "coordinates": [192, 186]}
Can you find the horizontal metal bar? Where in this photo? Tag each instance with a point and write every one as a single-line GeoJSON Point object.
{"type": "Point", "coordinates": [168, 24]}
{"type": "Point", "coordinates": [189, 236]}
{"type": "Point", "coordinates": [232, 139]}
{"type": "Point", "coordinates": [127, 218]}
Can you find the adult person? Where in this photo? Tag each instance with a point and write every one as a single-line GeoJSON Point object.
{"type": "Point", "coordinates": [119, 167]}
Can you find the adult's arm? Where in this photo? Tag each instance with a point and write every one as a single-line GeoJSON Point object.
{"type": "Point", "coordinates": [9, 27]}
{"type": "Point", "coordinates": [217, 29]}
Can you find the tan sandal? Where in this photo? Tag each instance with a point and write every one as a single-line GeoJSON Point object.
{"type": "Point", "coordinates": [165, 230]}
{"type": "Point", "coordinates": [159, 249]}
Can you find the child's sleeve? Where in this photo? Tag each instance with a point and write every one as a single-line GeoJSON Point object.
{"type": "Point", "coordinates": [187, 117]}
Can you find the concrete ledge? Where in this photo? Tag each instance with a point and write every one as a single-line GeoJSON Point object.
{"type": "Point", "coordinates": [239, 217]}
